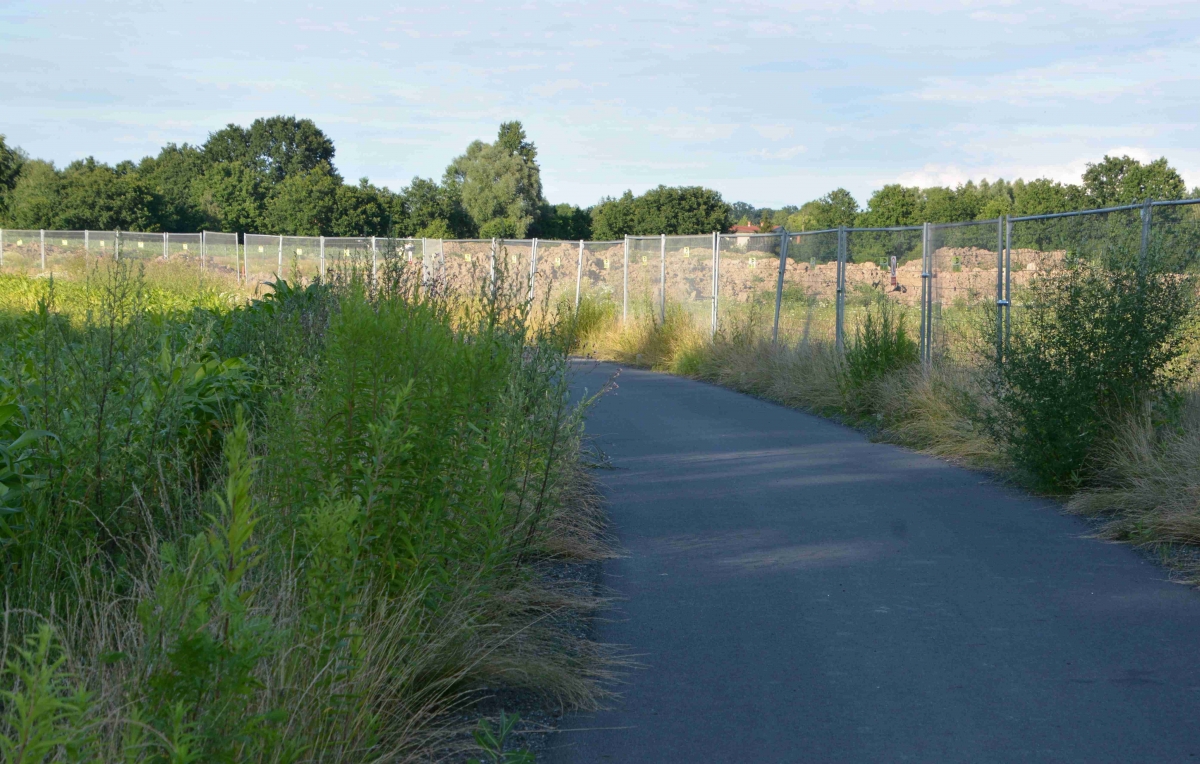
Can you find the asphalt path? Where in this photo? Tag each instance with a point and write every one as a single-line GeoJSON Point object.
{"type": "Point", "coordinates": [799, 594]}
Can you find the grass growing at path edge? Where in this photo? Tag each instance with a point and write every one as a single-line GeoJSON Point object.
{"type": "Point", "coordinates": [304, 528]}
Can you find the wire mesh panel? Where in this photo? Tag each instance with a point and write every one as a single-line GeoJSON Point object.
{"type": "Point", "coordinates": [689, 261]}
{"type": "Point", "coordinates": [808, 306]}
{"type": "Point", "coordinates": [514, 263]}
{"type": "Point", "coordinates": [1173, 241]}
{"type": "Point", "coordinates": [466, 265]}
{"type": "Point", "coordinates": [184, 246]}
{"type": "Point", "coordinates": [141, 246]}
{"type": "Point", "coordinates": [602, 277]}
{"type": "Point", "coordinates": [554, 278]}
{"type": "Point", "coordinates": [747, 275]}
{"type": "Point", "coordinates": [964, 269]}
{"type": "Point", "coordinates": [65, 249]}
{"type": "Point", "coordinates": [100, 244]}
{"type": "Point", "coordinates": [261, 258]}
{"type": "Point", "coordinates": [349, 254]}
{"type": "Point", "coordinates": [301, 258]}
{"type": "Point", "coordinates": [221, 253]}
{"type": "Point", "coordinates": [645, 275]}
{"type": "Point", "coordinates": [22, 251]}
{"type": "Point", "coordinates": [1039, 245]}
{"type": "Point", "coordinates": [868, 274]}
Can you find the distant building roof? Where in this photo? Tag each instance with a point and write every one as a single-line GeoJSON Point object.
{"type": "Point", "coordinates": [749, 229]}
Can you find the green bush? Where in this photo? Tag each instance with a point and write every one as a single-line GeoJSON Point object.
{"type": "Point", "coordinates": [1089, 343]}
{"type": "Point", "coordinates": [881, 345]}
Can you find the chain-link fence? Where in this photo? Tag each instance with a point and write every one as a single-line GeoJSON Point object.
{"type": "Point", "coordinates": [955, 283]}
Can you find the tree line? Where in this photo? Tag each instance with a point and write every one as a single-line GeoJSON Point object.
{"type": "Point", "coordinates": [278, 176]}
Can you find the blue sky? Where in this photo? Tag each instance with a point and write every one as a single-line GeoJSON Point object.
{"type": "Point", "coordinates": [769, 102]}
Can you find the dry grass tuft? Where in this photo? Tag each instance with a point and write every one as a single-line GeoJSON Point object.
{"type": "Point", "coordinates": [1148, 490]}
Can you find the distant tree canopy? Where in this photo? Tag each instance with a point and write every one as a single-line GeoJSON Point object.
{"type": "Point", "coordinates": [1111, 182]}
{"type": "Point", "coordinates": [278, 176]}
{"type": "Point", "coordinates": [681, 210]}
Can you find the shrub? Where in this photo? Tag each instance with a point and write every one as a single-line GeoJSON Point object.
{"type": "Point", "coordinates": [1092, 342]}
{"type": "Point", "coordinates": [881, 346]}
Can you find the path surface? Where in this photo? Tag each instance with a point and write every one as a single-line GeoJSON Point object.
{"type": "Point", "coordinates": [798, 594]}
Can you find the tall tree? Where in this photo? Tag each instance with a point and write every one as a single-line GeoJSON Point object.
{"type": "Point", "coordinates": [1123, 180]}
{"type": "Point", "coordinates": [173, 176]}
{"type": "Point", "coordinates": [33, 201]}
{"type": "Point", "coordinates": [836, 208]}
{"type": "Point", "coordinates": [500, 183]}
{"type": "Point", "coordinates": [893, 205]}
{"type": "Point", "coordinates": [94, 195]}
{"type": "Point", "coordinates": [303, 203]}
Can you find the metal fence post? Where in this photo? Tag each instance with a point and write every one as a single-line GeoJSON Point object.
{"type": "Point", "coordinates": [87, 245]}
{"type": "Point", "coordinates": [117, 245]}
{"type": "Point", "coordinates": [280, 267]}
{"type": "Point", "coordinates": [1000, 302]}
{"type": "Point", "coordinates": [43, 237]}
{"type": "Point", "coordinates": [839, 327]}
{"type": "Point", "coordinates": [783, 253]}
{"type": "Point", "coordinates": [926, 297]}
{"type": "Point", "coordinates": [1007, 280]}
{"type": "Point", "coordinates": [578, 274]}
{"type": "Point", "coordinates": [662, 278]}
{"type": "Point", "coordinates": [492, 267]}
{"type": "Point", "coordinates": [532, 267]}
{"type": "Point", "coordinates": [716, 268]}
{"type": "Point", "coordinates": [1, 246]}
{"type": "Point", "coordinates": [625, 283]}
{"type": "Point", "coordinates": [321, 256]}
{"type": "Point", "coordinates": [374, 258]}
{"type": "Point", "coordinates": [165, 235]}
{"type": "Point", "coordinates": [203, 248]}
{"type": "Point", "coordinates": [1147, 211]}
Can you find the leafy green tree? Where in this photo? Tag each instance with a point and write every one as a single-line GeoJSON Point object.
{"type": "Point", "coordinates": [501, 184]}
{"type": "Point", "coordinates": [363, 210]}
{"type": "Point", "coordinates": [425, 207]}
{"type": "Point", "coordinates": [669, 210]}
{"type": "Point", "coordinates": [564, 222]}
{"type": "Point", "coordinates": [288, 146]}
{"type": "Point", "coordinates": [893, 205]}
{"type": "Point", "coordinates": [1044, 196]}
{"type": "Point", "coordinates": [837, 208]}
{"type": "Point", "coordinates": [11, 160]}
{"type": "Point", "coordinates": [33, 201]}
{"type": "Point", "coordinates": [304, 203]}
{"type": "Point", "coordinates": [234, 195]}
{"type": "Point", "coordinates": [173, 176]}
{"type": "Point", "coordinates": [94, 195]}
{"type": "Point", "coordinates": [1123, 180]}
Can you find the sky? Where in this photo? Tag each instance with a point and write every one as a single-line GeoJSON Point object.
{"type": "Point", "coordinates": [771, 103]}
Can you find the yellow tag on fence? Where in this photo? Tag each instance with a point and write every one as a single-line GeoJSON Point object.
{"type": "Point", "coordinates": [467, 256]}
{"type": "Point", "coordinates": [20, 242]}
{"type": "Point", "coordinates": [687, 251]}
{"type": "Point", "coordinates": [260, 249]}
{"type": "Point", "coordinates": [753, 263]}
{"type": "Point", "coordinates": [142, 245]}
{"type": "Point", "coordinates": [101, 245]}
{"type": "Point", "coordinates": [64, 241]}
{"type": "Point", "coordinates": [643, 260]}
{"type": "Point", "coordinates": [558, 261]}
{"type": "Point", "coordinates": [185, 248]}
{"type": "Point", "coordinates": [299, 251]}
{"type": "Point", "coordinates": [606, 263]}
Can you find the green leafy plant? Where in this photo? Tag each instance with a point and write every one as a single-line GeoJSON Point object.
{"type": "Point", "coordinates": [493, 741]}
{"type": "Point", "coordinates": [881, 346]}
{"type": "Point", "coordinates": [44, 715]}
{"type": "Point", "coordinates": [1090, 343]}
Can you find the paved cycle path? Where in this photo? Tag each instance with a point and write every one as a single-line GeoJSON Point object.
{"type": "Point", "coordinates": [798, 594]}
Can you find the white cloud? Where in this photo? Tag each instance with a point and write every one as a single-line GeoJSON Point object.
{"type": "Point", "coordinates": [774, 132]}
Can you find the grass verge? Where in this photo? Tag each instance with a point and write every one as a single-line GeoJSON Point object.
{"type": "Point", "coordinates": [304, 527]}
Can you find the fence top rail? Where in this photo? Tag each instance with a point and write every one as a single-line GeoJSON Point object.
{"type": "Point", "coordinates": [965, 223]}
{"type": "Point", "coordinates": [1174, 202]}
{"type": "Point", "coordinates": [813, 233]}
{"type": "Point", "coordinates": [852, 229]}
{"type": "Point", "coordinates": [1076, 213]}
